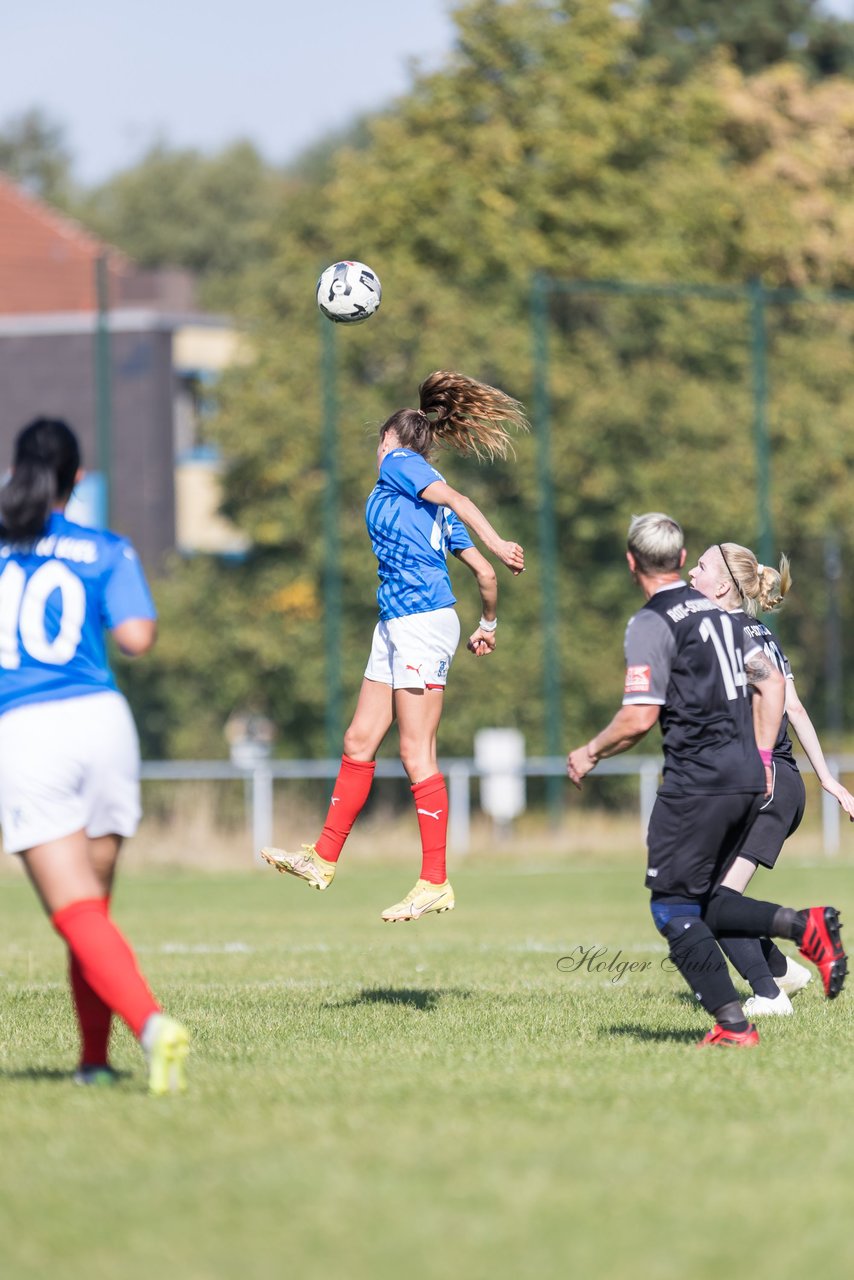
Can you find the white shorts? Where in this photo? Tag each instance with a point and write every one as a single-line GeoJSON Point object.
{"type": "Point", "coordinates": [67, 766]}
{"type": "Point", "coordinates": [414, 652]}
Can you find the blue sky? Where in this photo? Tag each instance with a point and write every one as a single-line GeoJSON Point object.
{"type": "Point", "coordinates": [120, 75]}
{"type": "Point", "coordinates": [281, 72]}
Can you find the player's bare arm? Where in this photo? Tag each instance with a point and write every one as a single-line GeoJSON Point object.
{"type": "Point", "coordinates": [482, 641]}
{"type": "Point", "coordinates": [805, 729]}
{"type": "Point", "coordinates": [768, 686]}
{"type": "Point", "coordinates": [135, 636]}
{"type": "Point", "coordinates": [631, 723]}
{"type": "Point", "coordinates": [760, 668]}
{"type": "Point", "coordinates": [509, 553]}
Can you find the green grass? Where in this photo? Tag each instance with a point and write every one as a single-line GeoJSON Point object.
{"type": "Point", "coordinates": [420, 1101]}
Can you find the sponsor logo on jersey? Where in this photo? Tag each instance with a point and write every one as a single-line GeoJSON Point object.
{"type": "Point", "coordinates": [638, 680]}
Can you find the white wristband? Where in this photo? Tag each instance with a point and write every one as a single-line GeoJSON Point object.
{"type": "Point", "coordinates": [488, 626]}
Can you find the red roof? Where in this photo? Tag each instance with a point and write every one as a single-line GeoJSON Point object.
{"type": "Point", "coordinates": [47, 261]}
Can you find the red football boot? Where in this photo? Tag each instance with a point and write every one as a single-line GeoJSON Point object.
{"type": "Point", "coordinates": [720, 1038]}
{"type": "Point", "coordinates": [822, 944]}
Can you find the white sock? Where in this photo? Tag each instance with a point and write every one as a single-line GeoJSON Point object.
{"type": "Point", "coordinates": [149, 1031]}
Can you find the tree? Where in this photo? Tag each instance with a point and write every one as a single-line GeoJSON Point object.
{"type": "Point", "coordinates": [182, 208]}
{"type": "Point", "coordinates": [33, 152]}
{"type": "Point", "coordinates": [756, 33]}
{"type": "Point", "coordinates": [547, 144]}
{"type": "Point", "coordinates": [316, 164]}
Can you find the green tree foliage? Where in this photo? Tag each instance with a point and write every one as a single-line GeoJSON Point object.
{"type": "Point", "coordinates": [186, 209]}
{"type": "Point", "coordinates": [756, 33]}
{"type": "Point", "coordinates": [549, 145]}
{"type": "Point", "coordinates": [316, 163]}
{"type": "Point", "coordinates": [33, 152]}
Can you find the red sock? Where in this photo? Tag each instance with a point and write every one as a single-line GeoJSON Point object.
{"type": "Point", "coordinates": [106, 961]}
{"type": "Point", "coordinates": [431, 805]}
{"type": "Point", "coordinates": [352, 787]}
{"type": "Point", "coordinates": [94, 1018]}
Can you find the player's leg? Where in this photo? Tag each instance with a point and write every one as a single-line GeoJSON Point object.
{"type": "Point", "coordinates": [316, 863]}
{"type": "Point", "coordinates": [109, 790]}
{"type": "Point", "coordinates": [686, 847]}
{"type": "Point", "coordinates": [424, 650]}
{"type": "Point", "coordinates": [746, 954]}
{"type": "Point", "coordinates": [418, 714]}
{"type": "Point", "coordinates": [758, 960]}
{"type": "Point", "coordinates": [816, 930]}
{"type": "Point", "coordinates": [71, 892]}
{"type": "Point", "coordinates": [696, 956]}
{"type": "Point", "coordinates": [94, 1017]}
{"type": "Point", "coordinates": [371, 722]}
{"type": "Point", "coordinates": [103, 857]}
{"type": "Point", "coordinates": [774, 976]}
{"type": "Point", "coordinates": [789, 976]}
{"type": "Point", "coordinates": [70, 773]}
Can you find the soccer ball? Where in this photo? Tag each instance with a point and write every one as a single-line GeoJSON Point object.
{"type": "Point", "coordinates": [349, 292]}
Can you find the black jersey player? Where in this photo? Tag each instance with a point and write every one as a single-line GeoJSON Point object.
{"type": "Point", "coordinates": [731, 575]}
{"type": "Point", "coordinates": [689, 666]}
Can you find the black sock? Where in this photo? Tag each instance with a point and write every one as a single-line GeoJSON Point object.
{"type": "Point", "coordinates": [729, 913]}
{"type": "Point", "coordinates": [699, 959]}
{"type": "Point", "coordinates": [731, 1016]}
{"type": "Point", "coordinates": [746, 955]}
{"type": "Point", "coordinates": [774, 958]}
{"type": "Point", "coordinates": [788, 923]}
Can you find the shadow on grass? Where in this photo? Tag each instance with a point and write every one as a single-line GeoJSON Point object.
{"type": "Point", "coordinates": [54, 1075]}
{"type": "Point", "coordinates": [652, 1034]}
{"type": "Point", "coordinates": [33, 1074]}
{"type": "Point", "coordinates": [413, 998]}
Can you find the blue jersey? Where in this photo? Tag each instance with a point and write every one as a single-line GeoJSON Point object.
{"type": "Point", "coordinates": [411, 538]}
{"type": "Point", "coordinates": [58, 593]}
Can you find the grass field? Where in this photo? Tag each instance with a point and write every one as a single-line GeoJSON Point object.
{"type": "Point", "coordinates": [421, 1101]}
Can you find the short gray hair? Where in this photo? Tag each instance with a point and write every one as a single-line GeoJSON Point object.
{"type": "Point", "coordinates": [656, 541]}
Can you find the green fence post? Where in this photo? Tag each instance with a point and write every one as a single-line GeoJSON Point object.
{"type": "Point", "coordinates": [103, 384]}
{"type": "Point", "coordinates": [549, 600]}
{"type": "Point", "coordinates": [833, 659]}
{"type": "Point", "coordinates": [331, 546]}
{"type": "Point", "coordinates": [759, 363]}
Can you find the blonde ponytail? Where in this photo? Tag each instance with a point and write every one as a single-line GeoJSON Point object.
{"type": "Point", "coordinates": [762, 589]}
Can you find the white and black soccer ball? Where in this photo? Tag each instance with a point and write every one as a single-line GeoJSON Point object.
{"type": "Point", "coordinates": [349, 292]}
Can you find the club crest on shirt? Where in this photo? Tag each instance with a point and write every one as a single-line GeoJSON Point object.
{"type": "Point", "coordinates": [638, 680]}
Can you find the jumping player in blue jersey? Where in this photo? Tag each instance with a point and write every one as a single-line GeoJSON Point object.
{"type": "Point", "coordinates": [732, 577]}
{"type": "Point", "coordinates": [69, 756]}
{"type": "Point", "coordinates": [414, 519]}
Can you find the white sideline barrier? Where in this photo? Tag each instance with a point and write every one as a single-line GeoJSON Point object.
{"type": "Point", "coordinates": [459, 773]}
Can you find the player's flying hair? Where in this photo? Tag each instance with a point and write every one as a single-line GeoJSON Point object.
{"type": "Point", "coordinates": [460, 413]}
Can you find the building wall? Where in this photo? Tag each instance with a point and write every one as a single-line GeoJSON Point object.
{"type": "Point", "coordinates": [54, 373]}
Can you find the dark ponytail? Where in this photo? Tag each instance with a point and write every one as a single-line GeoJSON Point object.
{"type": "Point", "coordinates": [45, 466]}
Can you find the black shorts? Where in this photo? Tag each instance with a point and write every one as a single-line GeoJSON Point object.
{"type": "Point", "coordinates": [778, 818]}
{"type": "Point", "coordinates": [692, 839]}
